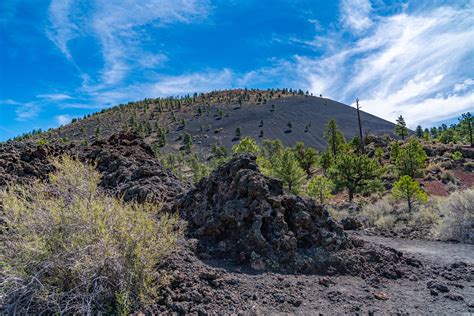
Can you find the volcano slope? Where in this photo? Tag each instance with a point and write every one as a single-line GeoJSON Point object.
{"type": "Point", "coordinates": [308, 117]}
{"type": "Point", "coordinates": [213, 118]}
{"type": "Point", "coordinates": [251, 248]}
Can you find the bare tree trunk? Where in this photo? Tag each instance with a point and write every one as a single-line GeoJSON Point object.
{"type": "Point", "coordinates": [360, 128]}
{"type": "Point", "coordinates": [351, 195]}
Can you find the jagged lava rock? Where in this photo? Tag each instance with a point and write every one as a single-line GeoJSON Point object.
{"type": "Point", "coordinates": [239, 213]}
{"type": "Point", "coordinates": [22, 162]}
{"type": "Point", "coordinates": [130, 170]}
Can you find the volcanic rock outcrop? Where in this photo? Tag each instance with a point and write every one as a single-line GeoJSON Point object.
{"type": "Point", "coordinates": [239, 213]}
{"type": "Point", "coordinates": [130, 169]}
{"type": "Point", "coordinates": [24, 162]}
{"type": "Point", "coordinates": [128, 166]}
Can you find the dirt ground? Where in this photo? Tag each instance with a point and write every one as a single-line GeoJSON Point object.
{"type": "Point", "coordinates": [442, 285]}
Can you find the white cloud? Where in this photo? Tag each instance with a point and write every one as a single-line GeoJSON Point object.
{"type": "Point", "coordinates": [26, 111]}
{"type": "Point", "coordinates": [63, 119]}
{"type": "Point", "coordinates": [414, 64]}
{"type": "Point", "coordinates": [61, 29]}
{"type": "Point", "coordinates": [355, 15]}
{"type": "Point", "coordinates": [194, 82]}
{"type": "Point", "coordinates": [55, 96]}
{"type": "Point", "coordinates": [466, 84]}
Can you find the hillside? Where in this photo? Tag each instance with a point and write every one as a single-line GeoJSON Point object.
{"type": "Point", "coordinates": [213, 118]}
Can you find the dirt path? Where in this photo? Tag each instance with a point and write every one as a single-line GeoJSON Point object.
{"type": "Point", "coordinates": [442, 253]}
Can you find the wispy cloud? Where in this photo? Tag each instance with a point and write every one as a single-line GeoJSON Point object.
{"type": "Point", "coordinates": [63, 119]}
{"type": "Point", "coordinates": [413, 63]}
{"type": "Point", "coordinates": [24, 110]}
{"type": "Point", "coordinates": [118, 27]}
{"type": "Point", "coordinates": [61, 28]}
{"type": "Point", "coordinates": [355, 15]}
{"type": "Point", "coordinates": [54, 96]}
{"type": "Point", "coordinates": [194, 82]}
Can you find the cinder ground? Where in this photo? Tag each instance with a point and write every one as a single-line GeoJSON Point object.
{"type": "Point", "coordinates": [442, 285]}
{"type": "Point", "coordinates": [299, 110]}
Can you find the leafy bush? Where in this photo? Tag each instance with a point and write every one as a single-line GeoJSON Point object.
{"type": "Point", "coordinates": [427, 215]}
{"type": "Point", "coordinates": [65, 247]}
{"type": "Point", "coordinates": [457, 217]}
{"type": "Point", "coordinates": [457, 155]}
{"type": "Point", "coordinates": [42, 142]}
{"type": "Point", "coordinates": [338, 215]}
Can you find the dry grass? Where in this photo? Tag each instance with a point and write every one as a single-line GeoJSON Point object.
{"type": "Point", "coordinates": [65, 247]}
{"type": "Point", "coordinates": [380, 214]}
{"type": "Point", "coordinates": [338, 215]}
{"type": "Point", "coordinates": [427, 215]}
{"type": "Point", "coordinates": [456, 217]}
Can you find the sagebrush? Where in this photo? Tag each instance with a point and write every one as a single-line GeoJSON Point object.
{"type": "Point", "coordinates": [66, 247]}
{"type": "Point", "coordinates": [456, 217]}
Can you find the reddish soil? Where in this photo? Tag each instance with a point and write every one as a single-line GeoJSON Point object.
{"type": "Point", "coordinates": [435, 188]}
{"type": "Point", "coordinates": [466, 178]}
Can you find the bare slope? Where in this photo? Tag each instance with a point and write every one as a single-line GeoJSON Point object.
{"type": "Point", "coordinates": [307, 115]}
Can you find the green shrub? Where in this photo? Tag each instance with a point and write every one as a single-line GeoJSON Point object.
{"type": "Point", "coordinates": [42, 142]}
{"type": "Point", "coordinates": [67, 248]}
{"type": "Point", "coordinates": [457, 155]}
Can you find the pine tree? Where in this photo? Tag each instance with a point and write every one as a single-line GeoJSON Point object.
{"type": "Point", "coordinates": [187, 143]}
{"type": "Point", "coordinates": [161, 137]}
{"type": "Point", "coordinates": [200, 170]}
{"type": "Point", "coordinates": [287, 169]}
{"type": "Point", "coordinates": [307, 157]}
{"type": "Point", "coordinates": [409, 190]}
{"type": "Point", "coordinates": [401, 127]}
{"type": "Point", "coordinates": [334, 137]}
{"type": "Point", "coordinates": [466, 121]}
{"type": "Point", "coordinates": [320, 188]}
{"type": "Point", "coordinates": [246, 145]}
{"type": "Point", "coordinates": [426, 134]}
{"type": "Point", "coordinates": [410, 159]}
{"type": "Point", "coordinates": [419, 131]}
{"type": "Point", "coordinates": [356, 173]}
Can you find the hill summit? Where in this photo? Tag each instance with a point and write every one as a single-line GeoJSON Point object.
{"type": "Point", "coordinates": [223, 118]}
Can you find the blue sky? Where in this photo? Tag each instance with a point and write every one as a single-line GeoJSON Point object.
{"type": "Point", "coordinates": [66, 58]}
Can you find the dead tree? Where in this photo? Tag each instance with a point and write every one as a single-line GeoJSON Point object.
{"type": "Point", "coordinates": [360, 127]}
